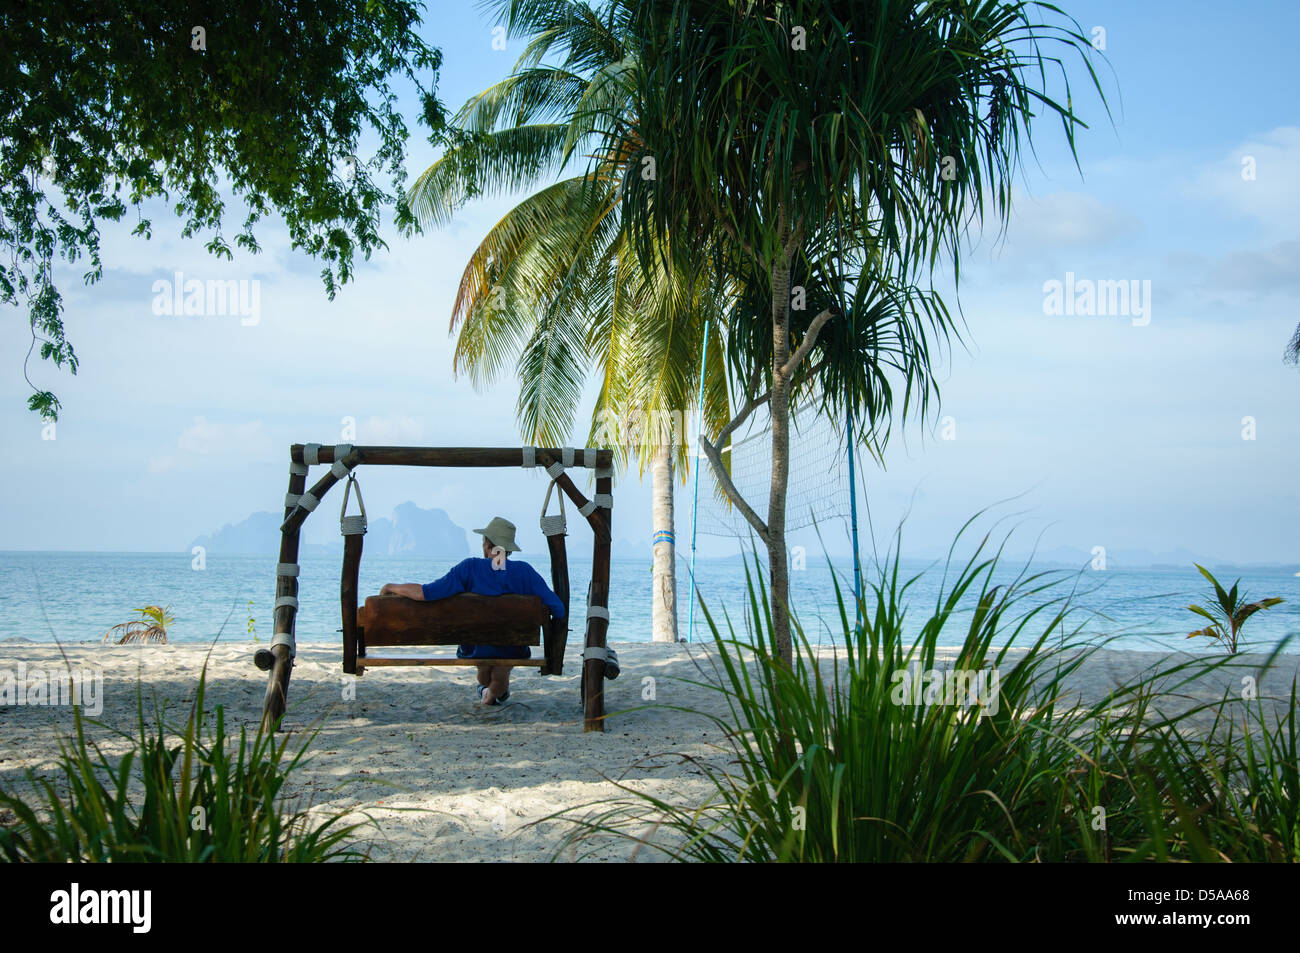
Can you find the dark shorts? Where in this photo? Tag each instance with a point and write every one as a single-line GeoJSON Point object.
{"type": "Point", "coordinates": [492, 651]}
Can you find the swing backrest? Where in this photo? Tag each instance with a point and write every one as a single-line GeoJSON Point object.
{"type": "Point", "coordinates": [467, 617]}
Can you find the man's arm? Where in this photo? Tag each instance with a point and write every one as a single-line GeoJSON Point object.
{"type": "Point", "coordinates": [540, 588]}
{"type": "Point", "coordinates": [455, 581]}
{"type": "Point", "coordinates": [411, 590]}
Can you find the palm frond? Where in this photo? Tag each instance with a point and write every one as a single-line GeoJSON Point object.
{"type": "Point", "coordinates": [491, 163]}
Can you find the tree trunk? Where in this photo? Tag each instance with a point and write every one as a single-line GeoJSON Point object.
{"type": "Point", "coordinates": [778, 570]}
{"type": "Point", "coordinates": [663, 590]}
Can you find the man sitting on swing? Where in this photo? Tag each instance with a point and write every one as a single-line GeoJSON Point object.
{"type": "Point", "coordinates": [492, 575]}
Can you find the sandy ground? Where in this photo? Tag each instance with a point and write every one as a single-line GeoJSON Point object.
{"type": "Point", "coordinates": [446, 779]}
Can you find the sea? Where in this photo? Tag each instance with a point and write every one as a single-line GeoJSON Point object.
{"type": "Point", "coordinates": [77, 596]}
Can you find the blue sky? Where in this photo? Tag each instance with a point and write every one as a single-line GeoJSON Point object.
{"type": "Point", "coordinates": [1109, 432]}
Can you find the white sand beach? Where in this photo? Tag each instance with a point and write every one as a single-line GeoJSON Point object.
{"type": "Point", "coordinates": [446, 779]}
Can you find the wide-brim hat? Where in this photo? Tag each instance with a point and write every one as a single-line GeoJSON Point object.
{"type": "Point", "coordinates": [500, 533]}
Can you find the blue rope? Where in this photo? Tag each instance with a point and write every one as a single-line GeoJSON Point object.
{"type": "Point", "coordinates": [695, 500]}
{"type": "Point", "coordinates": [848, 437]}
{"type": "Point", "coordinates": [853, 516]}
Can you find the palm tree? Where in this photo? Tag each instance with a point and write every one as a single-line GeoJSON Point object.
{"type": "Point", "coordinates": [846, 144]}
{"type": "Point", "coordinates": [555, 286]}
{"type": "Point", "coordinates": [150, 627]}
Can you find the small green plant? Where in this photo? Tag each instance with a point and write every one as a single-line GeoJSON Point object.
{"type": "Point", "coordinates": [1228, 614]}
{"type": "Point", "coordinates": [200, 797]}
{"type": "Point", "coordinates": [252, 623]}
{"type": "Point", "coordinates": [150, 627]}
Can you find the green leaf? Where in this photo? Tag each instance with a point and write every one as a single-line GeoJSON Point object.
{"type": "Point", "coordinates": [119, 110]}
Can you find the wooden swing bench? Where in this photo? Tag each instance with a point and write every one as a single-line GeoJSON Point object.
{"type": "Point", "coordinates": [466, 618]}
{"type": "Point", "coordinates": [391, 621]}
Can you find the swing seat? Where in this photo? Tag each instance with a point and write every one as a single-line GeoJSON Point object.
{"type": "Point", "coordinates": [464, 618]}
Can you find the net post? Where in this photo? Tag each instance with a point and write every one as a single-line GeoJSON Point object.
{"type": "Point", "coordinates": [853, 518]}
{"type": "Point", "coordinates": [695, 501]}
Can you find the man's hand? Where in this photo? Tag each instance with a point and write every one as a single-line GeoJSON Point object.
{"type": "Point", "coordinates": [410, 590]}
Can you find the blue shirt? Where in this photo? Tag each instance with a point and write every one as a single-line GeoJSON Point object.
{"type": "Point", "coordinates": [477, 575]}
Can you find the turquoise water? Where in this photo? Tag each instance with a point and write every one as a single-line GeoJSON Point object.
{"type": "Point", "coordinates": [78, 596]}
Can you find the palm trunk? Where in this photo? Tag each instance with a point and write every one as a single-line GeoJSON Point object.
{"type": "Point", "coordinates": [663, 591]}
{"type": "Point", "coordinates": [778, 570]}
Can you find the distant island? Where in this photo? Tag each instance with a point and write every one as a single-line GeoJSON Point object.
{"type": "Point", "coordinates": [410, 531]}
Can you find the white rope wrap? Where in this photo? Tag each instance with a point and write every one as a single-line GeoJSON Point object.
{"type": "Point", "coordinates": [341, 450]}
{"type": "Point", "coordinates": [308, 502]}
{"type": "Point", "coordinates": [352, 525]}
{"type": "Point", "coordinates": [298, 469]}
{"type": "Point", "coordinates": [290, 601]}
{"type": "Point", "coordinates": [594, 651]}
{"type": "Point", "coordinates": [589, 457]}
{"type": "Point", "coordinates": [286, 569]}
{"type": "Point", "coordinates": [530, 458]}
{"type": "Point", "coordinates": [339, 469]}
{"type": "Point", "coordinates": [285, 638]}
{"type": "Point", "coordinates": [605, 500]}
{"type": "Point", "coordinates": [291, 500]}
{"type": "Point", "coordinates": [604, 472]}
{"type": "Point", "coordinates": [554, 470]}
{"type": "Point", "coordinates": [597, 612]}
{"type": "Point", "coordinates": [566, 456]}
{"type": "Point", "coordinates": [311, 454]}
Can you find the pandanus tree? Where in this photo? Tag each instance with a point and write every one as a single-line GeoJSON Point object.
{"type": "Point", "coordinates": [554, 291]}
{"type": "Point", "coordinates": [846, 144]}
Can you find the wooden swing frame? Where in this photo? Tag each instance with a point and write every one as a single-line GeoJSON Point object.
{"type": "Point", "coordinates": [343, 459]}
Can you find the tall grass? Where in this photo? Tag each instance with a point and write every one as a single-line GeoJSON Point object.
{"type": "Point", "coordinates": [826, 764]}
{"type": "Point", "coordinates": [198, 796]}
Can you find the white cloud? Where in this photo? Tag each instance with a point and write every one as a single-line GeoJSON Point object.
{"type": "Point", "coordinates": [1067, 220]}
{"type": "Point", "coordinates": [390, 429]}
{"type": "Point", "coordinates": [204, 438]}
{"type": "Point", "coordinates": [1275, 268]}
{"type": "Point", "coordinates": [1272, 195]}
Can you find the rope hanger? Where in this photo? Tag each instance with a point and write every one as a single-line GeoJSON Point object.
{"type": "Point", "coordinates": [352, 525]}
{"type": "Point", "coordinates": [552, 525]}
